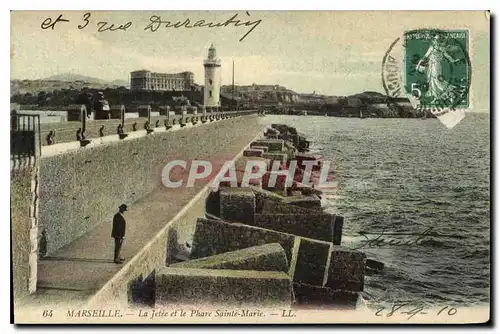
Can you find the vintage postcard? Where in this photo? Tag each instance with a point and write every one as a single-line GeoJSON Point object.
{"type": "Point", "coordinates": [284, 167]}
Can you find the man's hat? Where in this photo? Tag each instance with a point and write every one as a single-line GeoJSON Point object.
{"type": "Point", "coordinates": [123, 206]}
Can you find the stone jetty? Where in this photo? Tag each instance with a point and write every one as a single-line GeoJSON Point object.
{"type": "Point", "coordinates": [268, 245]}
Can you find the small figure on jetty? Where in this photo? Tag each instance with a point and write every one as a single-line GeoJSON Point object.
{"type": "Point", "coordinates": [50, 137]}
{"type": "Point", "coordinates": [118, 232]}
{"type": "Point", "coordinates": [80, 136]}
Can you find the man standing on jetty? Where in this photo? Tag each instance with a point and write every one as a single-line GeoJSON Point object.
{"type": "Point", "coordinates": [118, 232]}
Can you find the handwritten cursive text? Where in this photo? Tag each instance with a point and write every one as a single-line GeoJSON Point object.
{"type": "Point", "coordinates": [156, 22]}
{"type": "Point", "coordinates": [380, 241]}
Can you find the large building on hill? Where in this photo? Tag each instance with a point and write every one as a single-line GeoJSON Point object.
{"type": "Point", "coordinates": [147, 80]}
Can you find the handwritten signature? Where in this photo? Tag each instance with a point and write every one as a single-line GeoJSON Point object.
{"type": "Point", "coordinates": [406, 308]}
{"type": "Point", "coordinates": [380, 241]}
{"type": "Point", "coordinates": [155, 22]}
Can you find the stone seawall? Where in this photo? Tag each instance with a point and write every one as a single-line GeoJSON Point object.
{"type": "Point", "coordinates": [20, 205]}
{"type": "Point", "coordinates": [82, 189]}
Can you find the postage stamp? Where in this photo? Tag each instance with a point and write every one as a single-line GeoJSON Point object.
{"type": "Point", "coordinates": [437, 68]}
{"type": "Point", "coordinates": [431, 68]}
{"type": "Point", "coordinates": [220, 167]}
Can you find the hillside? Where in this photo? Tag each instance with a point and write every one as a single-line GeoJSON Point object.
{"type": "Point", "coordinates": [70, 77]}
{"type": "Point", "coordinates": [34, 87]}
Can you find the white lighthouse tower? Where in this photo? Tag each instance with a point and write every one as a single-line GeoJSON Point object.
{"type": "Point", "coordinates": [212, 64]}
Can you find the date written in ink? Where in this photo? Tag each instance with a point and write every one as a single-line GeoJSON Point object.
{"type": "Point", "coordinates": [408, 309]}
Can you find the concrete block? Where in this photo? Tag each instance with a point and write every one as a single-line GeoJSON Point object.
{"type": "Point", "coordinates": [289, 145]}
{"type": "Point", "coordinates": [262, 195]}
{"type": "Point", "coordinates": [212, 237]}
{"type": "Point", "coordinates": [279, 183]}
{"type": "Point", "coordinates": [320, 226]}
{"type": "Point", "coordinates": [253, 153]}
{"type": "Point", "coordinates": [269, 257]}
{"type": "Point", "coordinates": [317, 296]}
{"type": "Point", "coordinates": [273, 145]}
{"type": "Point", "coordinates": [312, 262]}
{"type": "Point", "coordinates": [309, 202]}
{"type": "Point", "coordinates": [242, 162]}
{"type": "Point", "coordinates": [275, 156]}
{"type": "Point", "coordinates": [307, 191]}
{"type": "Point", "coordinates": [257, 182]}
{"type": "Point", "coordinates": [284, 128]}
{"type": "Point", "coordinates": [193, 286]}
{"type": "Point", "coordinates": [237, 204]}
{"type": "Point", "coordinates": [264, 148]}
{"type": "Point", "coordinates": [346, 270]}
{"type": "Point", "coordinates": [271, 131]}
{"type": "Point", "coordinates": [278, 207]}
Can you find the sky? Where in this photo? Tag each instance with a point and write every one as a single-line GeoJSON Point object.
{"type": "Point", "coordinates": [334, 53]}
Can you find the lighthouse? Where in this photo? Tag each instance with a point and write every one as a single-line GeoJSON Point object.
{"type": "Point", "coordinates": [211, 93]}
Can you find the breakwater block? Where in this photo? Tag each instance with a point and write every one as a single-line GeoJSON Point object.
{"type": "Point", "coordinates": [275, 156]}
{"type": "Point", "coordinates": [271, 131]}
{"type": "Point", "coordinates": [279, 182]}
{"type": "Point", "coordinates": [310, 202]}
{"type": "Point", "coordinates": [346, 271]}
{"type": "Point", "coordinates": [253, 153]}
{"type": "Point", "coordinates": [278, 207]}
{"type": "Point", "coordinates": [244, 161]}
{"type": "Point", "coordinates": [262, 195]}
{"type": "Point", "coordinates": [194, 286]}
{"type": "Point", "coordinates": [264, 148]}
{"type": "Point", "coordinates": [307, 191]}
{"type": "Point", "coordinates": [284, 128]}
{"type": "Point", "coordinates": [237, 204]}
{"type": "Point", "coordinates": [374, 266]}
{"type": "Point", "coordinates": [269, 257]}
{"type": "Point", "coordinates": [312, 261]}
{"type": "Point", "coordinates": [320, 226]}
{"type": "Point", "coordinates": [317, 296]}
{"type": "Point", "coordinates": [212, 237]}
{"type": "Point", "coordinates": [273, 145]}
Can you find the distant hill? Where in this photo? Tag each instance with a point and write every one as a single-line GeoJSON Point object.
{"type": "Point", "coordinates": [70, 77]}
{"type": "Point", "coordinates": [61, 82]}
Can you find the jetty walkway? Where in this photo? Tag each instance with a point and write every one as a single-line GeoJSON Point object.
{"type": "Point", "coordinates": [83, 270]}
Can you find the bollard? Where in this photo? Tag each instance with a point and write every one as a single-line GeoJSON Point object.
{"type": "Point", "coordinates": [79, 136]}
{"type": "Point", "coordinates": [83, 118]}
{"type": "Point", "coordinates": [122, 116]}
